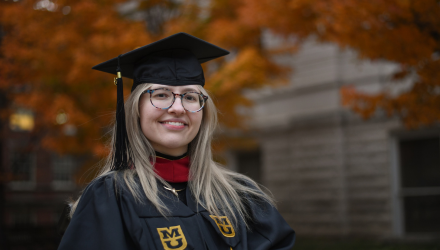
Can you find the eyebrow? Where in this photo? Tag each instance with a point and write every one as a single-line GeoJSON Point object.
{"type": "Point", "coordinates": [190, 89]}
{"type": "Point", "coordinates": [184, 90]}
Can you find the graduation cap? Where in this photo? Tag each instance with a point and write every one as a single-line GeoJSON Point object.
{"type": "Point", "coordinates": [173, 61]}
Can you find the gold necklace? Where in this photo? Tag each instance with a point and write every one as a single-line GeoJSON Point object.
{"type": "Point", "coordinates": [174, 190]}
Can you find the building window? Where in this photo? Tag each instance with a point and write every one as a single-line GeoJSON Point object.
{"type": "Point", "coordinates": [63, 171]}
{"type": "Point", "coordinates": [22, 167]}
{"type": "Point", "coordinates": [420, 184]}
{"type": "Point", "coordinates": [22, 120]}
{"type": "Point", "coordinates": [22, 218]}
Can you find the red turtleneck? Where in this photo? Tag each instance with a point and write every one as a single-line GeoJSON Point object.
{"type": "Point", "coordinates": [172, 170]}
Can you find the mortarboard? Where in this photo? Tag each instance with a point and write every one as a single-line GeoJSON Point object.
{"type": "Point", "coordinates": [174, 61]}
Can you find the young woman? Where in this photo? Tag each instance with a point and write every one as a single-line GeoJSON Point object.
{"type": "Point", "coordinates": [160, 188]}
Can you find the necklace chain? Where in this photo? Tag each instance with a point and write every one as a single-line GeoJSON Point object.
{"type": "Point", "coordinates": [174, 190]}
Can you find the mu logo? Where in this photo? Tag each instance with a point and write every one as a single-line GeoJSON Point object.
{"type": "Point", "coordinates": [172, 238]}
{"type": "Point", "coordinates": [224, 225]}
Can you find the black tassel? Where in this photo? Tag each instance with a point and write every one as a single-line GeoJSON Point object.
{"type": "Point", "coordinates": [122, 153]}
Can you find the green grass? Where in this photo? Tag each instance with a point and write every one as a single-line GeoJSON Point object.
{"type": "Point", "coordinates": [316, 244]}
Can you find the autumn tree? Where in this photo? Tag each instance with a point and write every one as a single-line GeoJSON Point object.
{"type": "Point", "coordinates": [46, 57]}
{"type": "Point", "coordinates": [406, 32]}
{"type": "Point", "coordinates": [47, 53]}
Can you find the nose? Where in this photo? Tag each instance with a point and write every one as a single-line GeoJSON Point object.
{"type": "Point", "coordinates": [177, 107]}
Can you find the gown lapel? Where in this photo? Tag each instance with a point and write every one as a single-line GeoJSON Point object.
{"type": "Point", "coordinates": [192, 204]}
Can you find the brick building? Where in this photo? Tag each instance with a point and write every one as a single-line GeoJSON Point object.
{"type": "Point", "coordinates": [35, 185]}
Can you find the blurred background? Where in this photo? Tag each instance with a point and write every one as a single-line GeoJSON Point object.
{"type": "Point", "coordinates": [334, 105]}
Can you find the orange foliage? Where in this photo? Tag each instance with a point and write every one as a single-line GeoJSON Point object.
{"type": "Point", "coordinates": [46, 56]}
{"type": "Point", "coordinates": [403, 31]}
{"type": "Point", "coordinates": [46, 59]}
{"type": "Point", "coordinates": [45, 65]}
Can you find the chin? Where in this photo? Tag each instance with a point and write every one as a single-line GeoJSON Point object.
{"type": "Point", "coordinates": [172, 144]}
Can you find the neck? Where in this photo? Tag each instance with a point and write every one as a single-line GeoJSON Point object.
{"type": "Point", "coordinates": [170, 151]}
{"type": "Point", "coordinates": [170, 157]}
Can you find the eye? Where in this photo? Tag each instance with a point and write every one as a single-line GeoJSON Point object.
{"type": "Point", "coordinates": [191, 97]}
{"type": "Point", "coordinates": [161, 94]}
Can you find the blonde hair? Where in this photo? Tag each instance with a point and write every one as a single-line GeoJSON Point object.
{"type": "Point", "coordinates": [219, 190]}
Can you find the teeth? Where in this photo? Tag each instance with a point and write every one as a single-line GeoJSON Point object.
{"type": "Point", "coordinates": [175, 123]}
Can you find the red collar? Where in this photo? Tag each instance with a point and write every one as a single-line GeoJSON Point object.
{"type": "Point", "coordinates": [172, 170]}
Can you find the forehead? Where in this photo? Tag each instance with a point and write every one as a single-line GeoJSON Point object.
{"type": "Point", "coordinates": [184, 88]}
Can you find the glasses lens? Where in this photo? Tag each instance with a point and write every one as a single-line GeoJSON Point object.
{"type": "Point", "coordinates": [162, 98]}
{"type": "Point", "coordinates": [193, 101]}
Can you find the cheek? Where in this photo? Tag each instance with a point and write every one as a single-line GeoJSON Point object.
{"type": "Point", "coordinates": [197, 121]}
{"type": "Point", "coordinates": [147, 116]}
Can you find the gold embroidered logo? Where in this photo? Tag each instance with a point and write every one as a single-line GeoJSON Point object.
{"type": "Point", "coordinates": [172, 238]}
{"type": "Point", "coordinates": [224, 225]}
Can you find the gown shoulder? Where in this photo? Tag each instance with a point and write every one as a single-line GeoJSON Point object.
{"type": "Point", "coordinates": [98, 221]}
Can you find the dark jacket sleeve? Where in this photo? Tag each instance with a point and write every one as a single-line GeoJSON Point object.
{"type": "Point", "coordinates": [97, 222]}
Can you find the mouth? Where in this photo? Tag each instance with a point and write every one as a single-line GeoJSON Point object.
{"type": "Point", "coordinates": [174, 123]}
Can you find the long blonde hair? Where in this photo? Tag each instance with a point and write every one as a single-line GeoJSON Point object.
{"type": "Point", "coordinates": [219, 190]}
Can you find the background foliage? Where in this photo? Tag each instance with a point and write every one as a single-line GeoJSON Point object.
{"type": "Point", "coordinates": [48, 48]}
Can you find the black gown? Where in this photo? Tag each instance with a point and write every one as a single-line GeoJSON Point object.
{"type": "Point", "coordinates": [108, 220]}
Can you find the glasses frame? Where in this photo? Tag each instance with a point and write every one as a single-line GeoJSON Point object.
{"type": "Point", "coordinates": [151, 91]}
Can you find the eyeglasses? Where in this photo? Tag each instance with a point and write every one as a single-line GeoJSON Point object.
{"type": "Point", "coordinates": [163, 98]}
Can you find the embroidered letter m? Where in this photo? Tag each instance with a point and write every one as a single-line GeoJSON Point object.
{"type": "Point", "coordinates": [172, 238]}
{"type": "Point", "coordinates": [224, 225]}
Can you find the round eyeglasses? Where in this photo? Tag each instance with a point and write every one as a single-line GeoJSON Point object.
{"type": "Point", "coordinates": [163, 98]}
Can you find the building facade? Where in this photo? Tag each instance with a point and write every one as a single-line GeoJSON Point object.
{"type": "Point", "coordinates": [333, 173]}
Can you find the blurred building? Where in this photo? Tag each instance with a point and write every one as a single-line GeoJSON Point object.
{"type": "Point", "coordinates": [332, 173]}
{"type": "Point", "coordinates": [35, 184]}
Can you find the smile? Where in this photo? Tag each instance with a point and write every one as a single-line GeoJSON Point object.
{"type": "Point", "coordinates": [174, 123]}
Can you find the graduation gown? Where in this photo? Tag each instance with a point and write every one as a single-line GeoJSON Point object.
{"type": "Point", "coordinates": [108, 220]}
